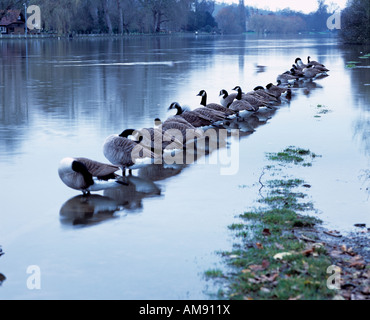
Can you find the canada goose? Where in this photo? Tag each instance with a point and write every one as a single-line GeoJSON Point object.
{"type": "Point", "coordinates": [277, 91]}
{"type": "Point", "coordinates": [299, 63]}
{"type": "Point", "coordinates": [180, 130]}
{"type": "Point", "coordinates": [126, 153]}
{"type": "Point", "coordinates": [210, 114]}
{"type": "Point", "coordinates": [320, 68]}
{"type": "Point", "coordinates": [226, 98]}
{"type": "Point", "coordinates": [172, 123]}
{"type": "Point", "coordinates": [295, 71]}
{"type": "Point", "coordinates": [314, 63]}
{"type": "Point", "coordinates": [260, 91]}
{"type": "Point", "coordinates": [157, 140]}
{"type": "Point", "coordinates": [213, 106]}
{"type": "Point", "coordinates": [196, 119]}
{"type": "Point", "coordinates": [259, 97]}
{"type": "Point", "coordinates": [240, 104]}
{"type": "Point", "coordinates": [311, 72]}
{"type": "Point", "coordinates": [87, 175]}
{"type": "Point", "coordinates": [176, 118]}
{"type": "Point", "coordinates": [253, 101]}
{"type": "Point", "coordinates": [250, 97]}
{"type": "Point", "coordinates": [287, 78]}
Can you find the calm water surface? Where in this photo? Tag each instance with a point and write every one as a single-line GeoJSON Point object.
{"type": "Point", "coordinates": [156, 237]}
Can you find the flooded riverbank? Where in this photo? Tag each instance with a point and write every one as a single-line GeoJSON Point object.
{"type": "Point", "coordinates": [63, 98]}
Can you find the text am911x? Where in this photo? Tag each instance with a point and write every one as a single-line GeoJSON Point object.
{"type": "Point", "coordinates": [187, 309]}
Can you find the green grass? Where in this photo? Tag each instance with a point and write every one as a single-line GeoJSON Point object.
{"type": "Point", "coordinates": [214, 273]}
{"type": "Point", "coordinates": [260, 276]}
{"type": "Point", "coordinates": [291, 155]}
{"type": "Point", "coordinates": [259, 270]}
{"type": "Point", "coordinates": [236, 226]}
{"type": "Point", "coordinates": [290, 183]}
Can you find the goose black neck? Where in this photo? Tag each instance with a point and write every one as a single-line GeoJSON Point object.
{"type": "Point", "coordinates": [126, 133]}
{"type": "Point", "coordinates": [179, 110]}
{"type": "Point", "coordinates": [203, 102]}
{"type": "Point", "coordinates": [79, 167]}
{"type": "Point", "coordinates": [239, 95]}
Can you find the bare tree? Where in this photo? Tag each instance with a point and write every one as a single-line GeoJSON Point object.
{"type": "Point", "coordinates": [120, 17]}
{"type": "Point", "coordinates": [107, 16]}
{"type": "Point", "coordinates": [158, 10]}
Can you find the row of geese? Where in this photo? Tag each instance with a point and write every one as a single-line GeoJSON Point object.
{"type": "Point", "coordinates": [134, 149]}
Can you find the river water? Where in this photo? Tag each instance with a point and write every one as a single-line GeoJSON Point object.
{"type": "Point", "coordinates": [155, 238]}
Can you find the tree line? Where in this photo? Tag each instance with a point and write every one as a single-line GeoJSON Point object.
{"type": "Point", "coordinates": [266, 21]}
{"type": "Point", "coordinates": [122, 16]}
{"type": "Point", "coordinates": [155, 16]}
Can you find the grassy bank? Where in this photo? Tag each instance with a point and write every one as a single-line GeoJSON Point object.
{"type": "Point", "coordinates": [278, 252]}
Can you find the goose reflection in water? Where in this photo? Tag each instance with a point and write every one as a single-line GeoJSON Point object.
{"type": "Point", "coordinates": [130, 197]}
{"type": "Point", "coordinates": [308, 85]}
{"type": "Point", "coordinates": [87, 210]}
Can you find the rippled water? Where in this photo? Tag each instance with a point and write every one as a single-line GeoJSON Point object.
{"type": "Point", "coordinates": [156, 237]}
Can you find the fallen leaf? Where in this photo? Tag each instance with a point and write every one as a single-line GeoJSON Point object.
{"type": "Point", "coordinates": [266, 232]}
{"type": "Point", "coordinates": [271, 278]}
{"type": "Point", "coordinates": [282, 255]}
{"type": "Point", "coordinates": [265, 290]}
{"type": "Point", "coordinates": [265, 263]}
{"type": "Point", "coordinates": [259, 245]}
{"type": "Point", "coordinates": [307, 252]}
{"type": "Point", "coordinates": [357, 262]}
{"type": "Point", "coordinates": [304, 238]}
{"type": "Point", "coordinates": [358, 265]}
{"type": "Point", "coordinates": [333, 233]}
{"type": "Point", "coordinates": [255, 267]}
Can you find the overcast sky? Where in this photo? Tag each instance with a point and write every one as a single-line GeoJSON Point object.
{"type": "Point", "coordinates": [304, 6]}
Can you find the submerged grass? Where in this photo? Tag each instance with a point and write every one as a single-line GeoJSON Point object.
{"type": "Point", "coordinates": [292, 155]}
{"type": "Point", "coordinates": [270, 261]}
